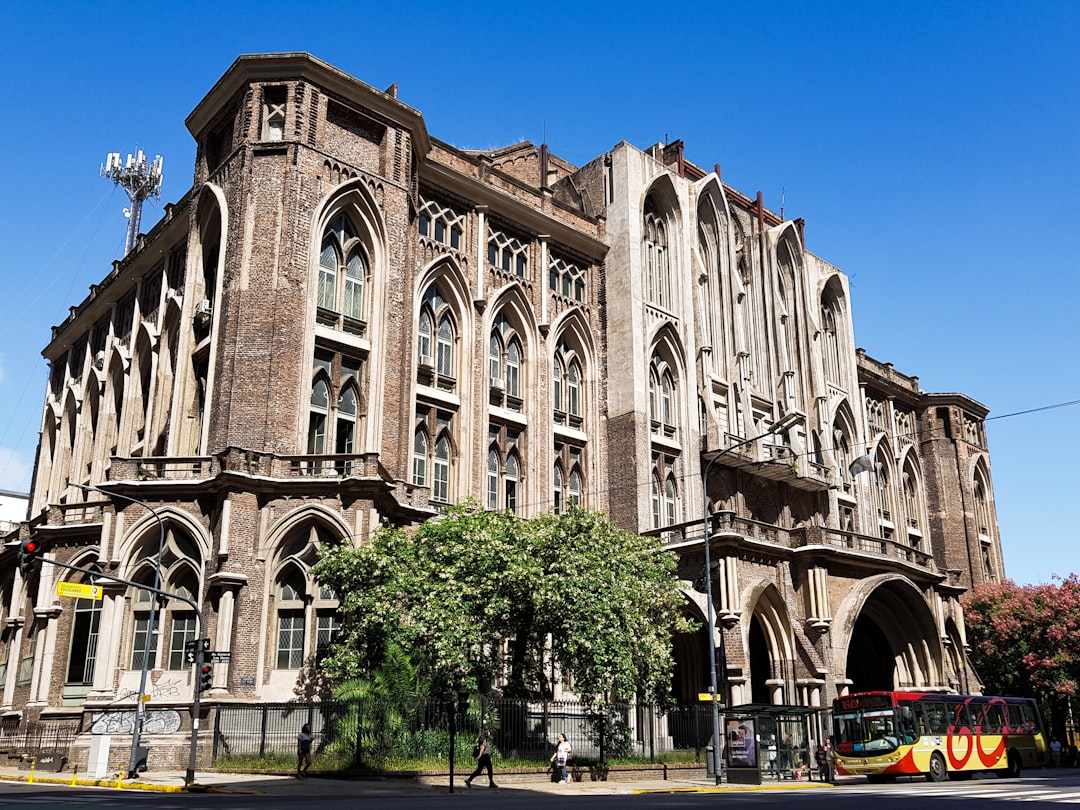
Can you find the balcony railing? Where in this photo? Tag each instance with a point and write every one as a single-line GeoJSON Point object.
{"type": "Point", "coordinates": [728, 524]}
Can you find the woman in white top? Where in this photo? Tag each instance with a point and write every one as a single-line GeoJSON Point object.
{"type": "Point", "coordinates": [561, 756]}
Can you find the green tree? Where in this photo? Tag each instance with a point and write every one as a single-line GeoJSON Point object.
{"type": "Point", "coordinates": [572, 589]}
{"type": "Point", "coordinates": [1023, 641]}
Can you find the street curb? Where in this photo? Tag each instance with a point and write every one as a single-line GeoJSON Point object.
{"type": "Point", "coordinates": [733, 788]}
{"type": "Point", "coordinates": [118, 784]}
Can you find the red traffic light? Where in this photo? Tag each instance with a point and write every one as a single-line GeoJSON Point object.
{"type": "Point", "coordinates": [29, 557]}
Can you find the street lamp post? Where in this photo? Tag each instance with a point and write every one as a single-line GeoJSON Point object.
{"type": "Point", "coordinates": [783, 424]}
{"type": "Point", "coordinates": [140, 708]}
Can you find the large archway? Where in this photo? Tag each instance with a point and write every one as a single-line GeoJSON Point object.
{"type": "Point", "coordinates": [887, 637]}
{"type": "Point", "coordinates": [769, 646]}
{"type": "Point", "coordinates": [870, 662]}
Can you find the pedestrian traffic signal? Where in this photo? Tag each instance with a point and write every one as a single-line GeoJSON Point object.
{"type": "Point", "coordinates": [29, 557]}
{"type": "Point", "coordinates": [206, 676]}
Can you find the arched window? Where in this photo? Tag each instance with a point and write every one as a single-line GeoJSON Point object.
{"type": "Point", "coordinates": [670, 501]}
{"type": "Point", "coordinates": [656, 502]}
{"type": "Point", "coordinates": [573, 389]}
{"type": "Point", "coordinates": [510, 481]}
{"type": "Point", "coordinates": [290, 609]}
{"type": "Point", "coordinates": [663, 398]}
{"type": "Point", "coordinates": [493, 480]}
{"type": "Point", "coordinates": [983, 512]}
{"type": "Point", "coordinates": [658, 282]}
{"type": "Point", "coordinates": [334, 428]}
{"type": "Point", "coordinates": [504, 485]}
{"type": "Point", "coordinates": [440, 490]}
{"type": "Point", "coordinates": [320, 408]}
{"type": "Point", "coordinates": [436, 338]}
{"type": "Point", "coordinates": [574, 492]}
{"type": "Point", "coordinates": [420, 457]}
{"type": "Point", "coordinates": [557, 488]}
{"type": "Point", "coordinates": [307, 618]}
{"type": "Point", "coordinates": [505, 359]}
{"type": "Point", "coordinates": [343, 270]}
{"type": "Point", "coordinates": [445, 351]}
{"type": "Point", "coordinates": [345, 432]}
{"type": "Point", "coordinates": [567, 388]}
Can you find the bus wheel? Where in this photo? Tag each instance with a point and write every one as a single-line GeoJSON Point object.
{"type": "Point", "coordinates": [1013, 769]}
{"type": "Point", "coordinates": [938, 771]}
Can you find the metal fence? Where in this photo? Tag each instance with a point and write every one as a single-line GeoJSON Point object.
{"type": "Point", "coordinates": [46, 744]}
{"type": "Point", "coordinates": [521, 729]}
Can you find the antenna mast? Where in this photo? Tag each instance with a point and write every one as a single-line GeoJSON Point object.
{"type": "Point", "coordinates": [140, 180]}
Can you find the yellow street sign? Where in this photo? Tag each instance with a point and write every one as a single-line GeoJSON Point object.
{"type": "Point", "coordinates": [708, 696]}
{"type": "Point", "coordinates": [78, 591]}
{"type": "Point", "coordinates": [145, 698]}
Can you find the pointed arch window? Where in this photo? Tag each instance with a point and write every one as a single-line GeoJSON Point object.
{"type": "Point", "coordinates": [436, 339]}
{"type": "Point", "coordinates": [505, 484]}
{"type": "Point", "coordinates": [290, 630]}
{"type": "Point", "coordinates": [343, 273]}
{"type": "Point", "coordinates": [663, 402]}
{"type": "Point", "coordinates": [658, 283]}
{"type": "Point", "coordinates": [335, 410]}
{"type": "Point", "coordinates": [320, 408]}
{"type": "Point", "coordinates": [983, 512]}
{"type": "Point", "coordinates": [505, 357]}
{"type": "Point", "coordinates": [420, 458]}
{"type": "Point", "coordinates": [557, 488]}
{"type": "Point", "coordinates": [306, 612]}
{"type": "Point", "coordinates": [432, 458]}
{"type": "Point", "coordinates": [567, 385]}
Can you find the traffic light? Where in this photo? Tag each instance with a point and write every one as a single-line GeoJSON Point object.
{"type": "Point", "coordinates": [206, 677]}
{"type": "Point", "coordinates": [29, 557]}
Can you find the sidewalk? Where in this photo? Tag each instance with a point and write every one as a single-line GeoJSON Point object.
{"type": "Point", "coordinates": [277, 785]}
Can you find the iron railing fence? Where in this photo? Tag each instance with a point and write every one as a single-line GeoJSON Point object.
{"type": "Point", "coordinates": [521, 729]}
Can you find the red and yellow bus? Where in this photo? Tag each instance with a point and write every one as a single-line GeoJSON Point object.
{"type": "Point", "coordinates": [882, 735]}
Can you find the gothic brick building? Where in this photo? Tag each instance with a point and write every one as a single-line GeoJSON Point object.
{"type": "Point", "coordinates": [346, 322]}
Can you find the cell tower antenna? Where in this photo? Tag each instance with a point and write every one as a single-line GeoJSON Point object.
{"type": "Point", "coordinates": [140, 180]}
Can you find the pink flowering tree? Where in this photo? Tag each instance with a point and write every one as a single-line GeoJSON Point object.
{"type": "Point", "coordinates": [1025, 640]}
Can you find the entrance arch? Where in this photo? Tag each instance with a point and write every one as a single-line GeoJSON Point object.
{"type": "Point", "coordinates": [886, 637]}
{"type": "Point", "coordinates": [767, 637]}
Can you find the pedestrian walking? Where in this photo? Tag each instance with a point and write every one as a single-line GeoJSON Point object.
{"type": "Point", "coordinates": [563, 754]}
{"type": "Point", "coordinates": [821, 757]}
{"type": "Point", "coordinates": [482, 752]}
{"type": "Point", "coordinates": [303, 751]}
{"type": "Point", "coordinates": [1055, 751]}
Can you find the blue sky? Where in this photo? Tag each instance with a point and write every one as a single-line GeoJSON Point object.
{"type": "Point", "coordinates": [930, 146]}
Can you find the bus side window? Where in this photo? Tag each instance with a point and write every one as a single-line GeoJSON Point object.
{"type": "Point", "coordinates": [993, 719]}
{"type": "Point", "coordinates": [907, 728]}
{"type": "Point", "coordinates": [1030, 726]}
{"type": "Point", "coordinates": [961, 719]}
{"type": "Point", "coordinates": [935, 718]}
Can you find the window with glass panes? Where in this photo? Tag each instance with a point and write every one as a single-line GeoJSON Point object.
{"type": "Point", "coordinates": [566, 279]}
{"type": "Point", "coordinates": [504, 468]}
{"type": "Point", "coordinates": [509, 254]}
{"type": "Point", "coordinates": [440, 223]}
{"type": "Point", "coordinates": [432, 460]}
{"type": "Point", "coordinates": [181, 632]}
{"type": "Point", "coordinates": [84, 638]}
{"type": "Point", "coordinates": [343, 271]}
{"type": "Point", "coordinates": [335, 405]}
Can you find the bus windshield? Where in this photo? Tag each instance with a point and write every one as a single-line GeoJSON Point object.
{"type": "Point", "coordinates": [866, 732]}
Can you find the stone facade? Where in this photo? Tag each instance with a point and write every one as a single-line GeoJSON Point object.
{"type": "Point", "coordinates": [346, 323]}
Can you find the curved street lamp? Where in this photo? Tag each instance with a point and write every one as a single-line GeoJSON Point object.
{"type": "Point", "coordinates": [787, 421]}
{"type": "Point", "coordinates": [140, 708]}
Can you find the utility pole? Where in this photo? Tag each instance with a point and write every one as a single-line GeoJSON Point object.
{"type": "Point", "coordinates": [140, 180]}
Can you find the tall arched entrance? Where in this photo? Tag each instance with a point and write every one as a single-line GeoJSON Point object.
{"type": "Point", "coordinates": [887, 638]}
{"type": "Point", "coordinates": [769, 649]}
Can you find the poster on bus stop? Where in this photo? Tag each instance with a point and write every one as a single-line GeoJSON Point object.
{"type": "Point", "coordinates": [741, 746]}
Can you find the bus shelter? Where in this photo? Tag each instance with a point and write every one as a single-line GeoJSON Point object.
{"type": "Point", "coordinates": [770, 742]}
